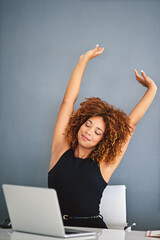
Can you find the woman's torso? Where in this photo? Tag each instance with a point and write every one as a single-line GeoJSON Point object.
{"type": "Point", "coordinates": [79, 184]}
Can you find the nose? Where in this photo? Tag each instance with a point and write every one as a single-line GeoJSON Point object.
{"type": "Point", "coordinates": [89, 131]}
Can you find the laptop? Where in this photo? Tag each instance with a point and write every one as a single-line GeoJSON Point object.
{"type": "Point", "coordinates": [36, 210]}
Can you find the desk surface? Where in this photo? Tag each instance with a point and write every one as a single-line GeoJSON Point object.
{"type": "Point", "coordinates": [102, 234]}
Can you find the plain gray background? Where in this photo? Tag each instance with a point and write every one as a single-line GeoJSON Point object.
{"type": "Point", "coordinates": [40, 45]}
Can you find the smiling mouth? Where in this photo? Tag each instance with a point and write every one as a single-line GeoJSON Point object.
{"type": "Point", "coordinates": [85, 138]}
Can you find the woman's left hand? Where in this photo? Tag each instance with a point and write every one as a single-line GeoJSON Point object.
{"type": "Point", "coordinates": [144, 79]}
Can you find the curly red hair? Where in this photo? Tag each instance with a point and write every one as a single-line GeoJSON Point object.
{"type": "Point", "coordinates": [116, 131]}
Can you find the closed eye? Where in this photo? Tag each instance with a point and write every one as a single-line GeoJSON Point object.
{"type": "Point", "coordinates": [97, 133]}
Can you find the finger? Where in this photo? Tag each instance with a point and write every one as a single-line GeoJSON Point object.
{"type": "Point", "coordinates": [135, 71]}
{"type": "Point", "coordinates": [138, 77]}
{"type": "Point", "coordinates": [97, 47]}
{"type": "Point", "coordinates": [98, 53]}
{"type": "Point", "coordinates": [101, 50]}
{"type": "Point", "coordinates": [143, 74]}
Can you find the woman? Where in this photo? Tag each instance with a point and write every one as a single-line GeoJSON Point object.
{"type": "Point", "coordinates": [88, 145]}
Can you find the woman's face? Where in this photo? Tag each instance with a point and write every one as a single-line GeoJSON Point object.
{"type": "Point", "coordinates": [91, 132]}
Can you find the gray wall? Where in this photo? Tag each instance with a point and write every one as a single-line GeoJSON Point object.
{"type": "Point", "coordinates": [40, 44]}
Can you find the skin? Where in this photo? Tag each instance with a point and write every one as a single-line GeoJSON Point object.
{"type": "Point", "coordinates": [93, 129]}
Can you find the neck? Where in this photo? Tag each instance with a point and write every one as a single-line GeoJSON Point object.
{"type": "Point", "coordinates": [82, 152]}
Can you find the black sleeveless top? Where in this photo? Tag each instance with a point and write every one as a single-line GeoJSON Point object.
{"type": "Point", "coordinates": [79, 184]}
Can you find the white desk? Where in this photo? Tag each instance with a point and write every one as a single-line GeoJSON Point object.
{"type": "Point", "coordinates": [103, 234]}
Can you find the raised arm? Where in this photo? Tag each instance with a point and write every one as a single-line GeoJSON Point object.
{"type": "Point", "coordinates": [142, 106]}
{"type": "Point", "coordinates": [59, 143]}
{"type": "Point", "coordinates": [135, 116]}
{"type": "Point", "coordinates": [73, 87]}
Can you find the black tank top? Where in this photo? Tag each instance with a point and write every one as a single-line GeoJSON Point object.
{"type": "Point", "coordinates": [79, 184]}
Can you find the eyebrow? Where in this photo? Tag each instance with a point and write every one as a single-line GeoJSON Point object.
{"type": "Point", "coordinates": [97, 127]}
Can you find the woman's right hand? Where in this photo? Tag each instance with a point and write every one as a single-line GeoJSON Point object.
{"type": "Point", "coordinates": [93, 53]}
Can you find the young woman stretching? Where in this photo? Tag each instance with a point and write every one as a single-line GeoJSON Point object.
{"type": "Point", "coordinates": [88, 145]}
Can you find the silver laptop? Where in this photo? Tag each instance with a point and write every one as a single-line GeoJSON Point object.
{"type": "Point", "coordinates": [36, 210]}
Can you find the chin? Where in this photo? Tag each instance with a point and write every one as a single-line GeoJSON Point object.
{"type": "Point", "coordinates": [86, 145]}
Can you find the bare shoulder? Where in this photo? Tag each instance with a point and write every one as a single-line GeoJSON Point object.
{"type": "Point", "coordinates": [56, 155]}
